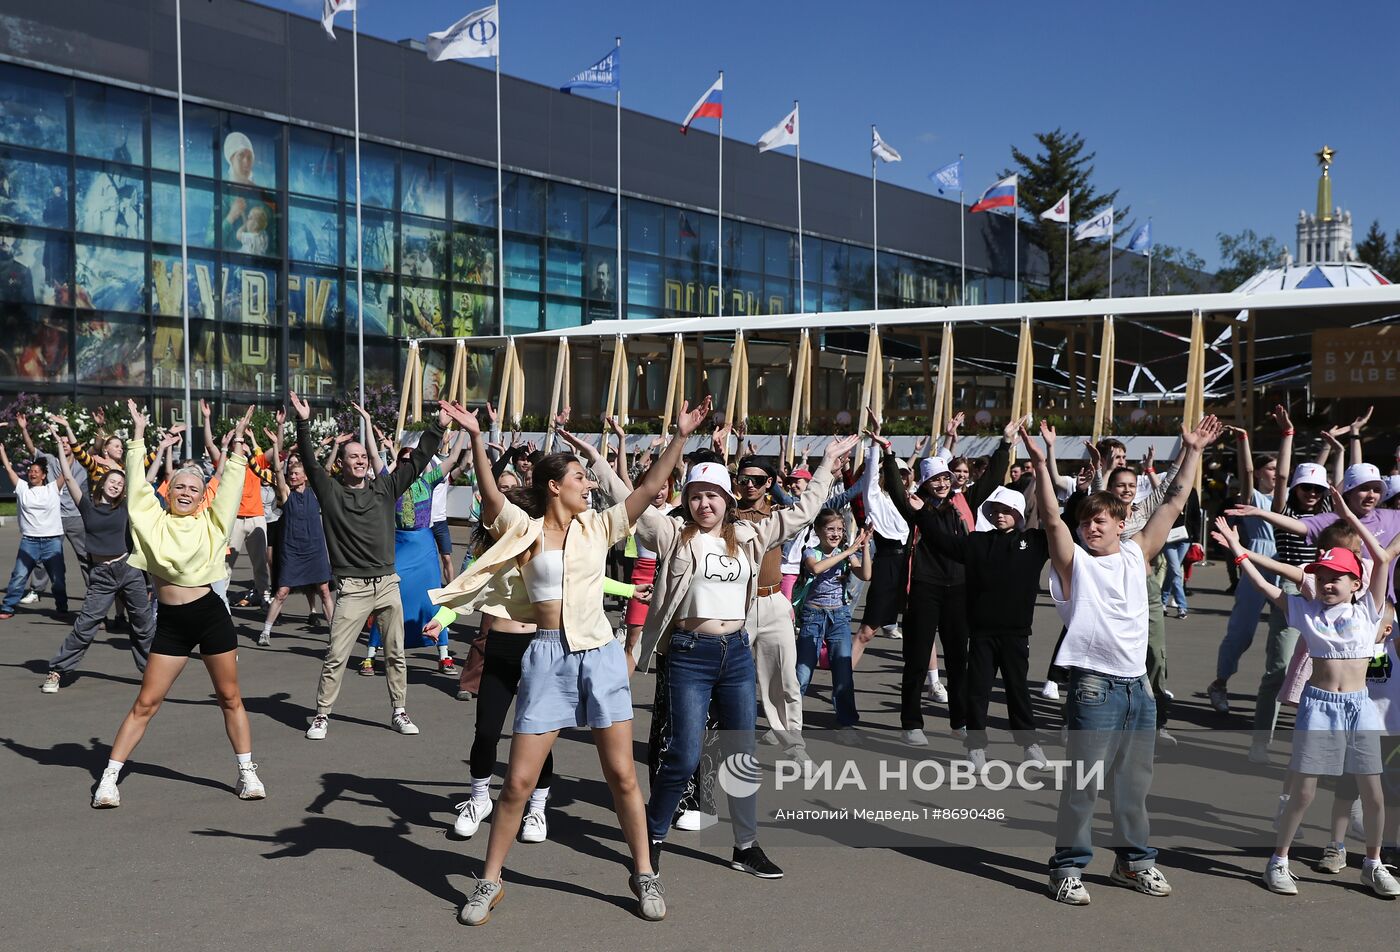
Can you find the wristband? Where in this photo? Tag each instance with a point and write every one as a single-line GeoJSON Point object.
{"type": "Point", "coordinates": [1242, 558]}
{"type": "Point", "coordinates": [1150, 470]}
{"type": "Point", "coordinates": [1287, 432]}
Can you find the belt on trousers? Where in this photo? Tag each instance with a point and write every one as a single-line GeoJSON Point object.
{"type": "Point", "coordinates": [765, 590]}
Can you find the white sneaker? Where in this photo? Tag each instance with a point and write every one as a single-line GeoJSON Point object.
{"type": "Point", "coordinates": [1035, 757]}
{"type": "Point", "coordinates": [978, 757]}
{"type": "Point", "coordinates": [30, 597]}
{"type": "Point", "coordinates": [1280, 879]}
{"type": "Point", "coordinates": [1380, 880]}
{"type": "Point", "coordinates": [1069, 891]}
{"type": "Point", "coordinates": [938, 692]}
{"type": "Point", "coordinates": [264, 640]}
{"type": "Point", "coordinates": [403, 724]}
{"type": "Point", "coordinates": [769, 739]}
{"type": "Point", "coordinates": [249, 786]}
{"type": "Point", "coordinates": [50, 685]}
{"type": "Point", "coordinates": [850, 737]}
{"type": "Point", "coordinates": [692, 821]}
{"type": "Point", "coordinates": [317, 730]}
{"type": "Point", "coordinates": [535, 829]}
{"type": "Point", "coordinates": [1164, 738]}
{"type": "Point", "coordinates": [470, 813]}
{"type": "Point", "coordinates": [107, 795]}
{"type": "Point", "coordinates": [895, 632]}
{"type": "Point", "coordinates": [1051, 692]}
{"type": "Point", "coordinates": [1259, 750]}
{"type": "Point", "coordinates": [914, 737]}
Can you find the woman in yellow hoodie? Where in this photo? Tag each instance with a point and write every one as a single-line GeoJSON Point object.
{"type": "Point", "coordinates": [183, 550]}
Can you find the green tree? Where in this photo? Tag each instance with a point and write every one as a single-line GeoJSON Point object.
{"type": "Point", "coordinates": [1244, 255]}
{"type": "Point", "coordinates": [1379, 252]}
{"type": "Point", "coordinates": [1063, 166]}
{"type": "Point", "coordinates": [1179, 271]}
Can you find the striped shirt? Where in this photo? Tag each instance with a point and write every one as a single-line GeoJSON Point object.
{"type": "Point", "coordinates": [1293, 549]}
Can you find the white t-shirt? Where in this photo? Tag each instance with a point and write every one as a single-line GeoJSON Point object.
{"type": "Point", "coordinates": [438, 511]}
{"type": "Point", "coordinates": [38, 510]}
{"type": "Point", "coordinates": [1106, 612]}
{"type": "Point", "coordinates": [1383, 684]}
{"type": "Point", "coordinates": [1347, 630]}
{"type": "Point", "coordinates": [719, 589]}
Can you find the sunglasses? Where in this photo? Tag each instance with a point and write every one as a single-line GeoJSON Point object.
{"type": "Point", "coordinates": [751, 480]}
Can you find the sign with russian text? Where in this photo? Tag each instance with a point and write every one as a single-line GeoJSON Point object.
{"type": "Point", "coordinates": [1356, 362]}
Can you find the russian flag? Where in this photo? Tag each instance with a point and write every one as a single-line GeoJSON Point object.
{"type": "Point", "coordinates": [1000, 195]}
{"type": "Point", "coordinates": [708, 106]}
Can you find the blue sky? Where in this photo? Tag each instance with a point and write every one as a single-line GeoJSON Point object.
{"type": "Point", "coordinates": [1205, 115]}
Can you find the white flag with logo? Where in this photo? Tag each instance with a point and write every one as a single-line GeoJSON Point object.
{"type": "Point", "coordinates": [1059, 211]}
{"type": "Point", "coordinates": [879, 147]}
{"type": "Point", "coordinates": [328, 11]}
{"type": "Point", "coordinates": [1100, 226]}
{"type": "Point", "coordinates": [784, 133]}
{"type": "Point", "coordinates": [475, 36]}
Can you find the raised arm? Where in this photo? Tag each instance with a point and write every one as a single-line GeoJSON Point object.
{"type": "Point", "coordinates": [65, 468]}
{"type": "Point", "coordinates": [215, 457]}
{"type": "Point", "coordinates": [492, 500]}
{"type": "Point", "coordinates": [1355, 436]}
{"type": "Point", "coordinates": [223, 510]}
{"type": "Point", "coordinates": [9, 470]}
{"type": "Point", "coordinates": [620, 461]}
{"type": "Point", "coordinates": [1244, 460]}
{"type": "Point", "coordinates": [1159, 524]}
{"type": "Point", "coordinates": [1332, 448]}
{"type": "Point", "coordinates": [818, 566]}
{"type": "Point", "coordinates": [995, 475]}
{"type": "Point", "coordinates": [1285, 457]}
{"type": "Point", "coordinates": [22, 421]}
{"type": "Point", "coordinates": [1276, 519]}
{"type": "Point", "coordinates": [315, 474]}
{"type": "Point", "coordinates": [1270, 591]}
{"type": "Point", "coordinates": [1380, 555]}
{"type": "Point", "coordinates": [140, 496]}
{"type": "Point", "coordinates": [1057, 534]}
{"type": "Point", "coordinates": [782, 524]}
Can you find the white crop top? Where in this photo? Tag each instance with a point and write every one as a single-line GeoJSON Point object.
{"type": "Point", "coordinates": [719, 589]}
{"type": "Point", "coordinates": [544, 576]}
{"type": "Point", "coordinates": [1347, 630]}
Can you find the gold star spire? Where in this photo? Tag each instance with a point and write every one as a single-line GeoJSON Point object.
{"type": "Point", "coordinates": [1325, 156]}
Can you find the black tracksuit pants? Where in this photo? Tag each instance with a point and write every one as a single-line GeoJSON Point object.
{"type": "Point", "coordinates": [934, 610]}
{"type": "Point", "coordinates": [1010, 652]}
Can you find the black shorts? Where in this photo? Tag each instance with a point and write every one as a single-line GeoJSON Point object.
{"type": "Point", "coordinates": [885, 595]}
{"type": "Point", "coordinates": [204, 624]}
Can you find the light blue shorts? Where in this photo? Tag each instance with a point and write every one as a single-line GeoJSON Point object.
{"type": "Point", "coordinates": [1335, 733]}
{"type": "Point", "coordinates": [561, 688]}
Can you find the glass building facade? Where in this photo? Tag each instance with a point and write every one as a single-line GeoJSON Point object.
{"type": "Point", "coordinates": [91, 277]}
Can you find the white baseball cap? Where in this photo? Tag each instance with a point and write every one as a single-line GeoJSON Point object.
{"type": "Point", "coordinates": [1309, 474]}
{"type": "Point", "coordinates": [930, 467]}
{"type": "Point", "coordinates": [710, 474]}
{"type": "Point", "coordinates": [1359, 474]}
{"type": "Point", "coordinates": [1392, 488]}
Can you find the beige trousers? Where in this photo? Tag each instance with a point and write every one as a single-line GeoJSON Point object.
{"type": "Point", "coordinates": [357, 599]}
{"type": "Point", "coordinates": [774, 642]}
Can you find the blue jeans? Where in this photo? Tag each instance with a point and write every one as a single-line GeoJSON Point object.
{"type": "Point", "coordinates": [832, 625]}
{"type": "Point", "coordinates": [699, 668]}
{"type": "Point", "coordinates": [1244, 621]}
{"type": "Point", "coordinates": [1112, 720]}
{"type": "Point", "coordinates": [1174, 585]}
{"type": "Point", "coordinates": [40, 550]}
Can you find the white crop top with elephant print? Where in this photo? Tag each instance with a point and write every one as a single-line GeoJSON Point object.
{"type": "Point", "coordinates": [720, 586]}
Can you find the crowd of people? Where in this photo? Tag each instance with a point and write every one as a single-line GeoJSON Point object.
{"type": "Point", "coordinates": [741, 579]}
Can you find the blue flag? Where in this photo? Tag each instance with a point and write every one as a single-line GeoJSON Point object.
{"type": "Point", "coordinates": [1141, 242]}
{"type": "Point", "coordinates": [604, 74]}
{"type": "Point", "coordinates": [948, 178]}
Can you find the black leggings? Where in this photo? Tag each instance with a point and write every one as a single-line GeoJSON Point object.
{"type": "Point", "coordinates": [500, 678]}
{"type": "Point", "coordinates": [941, 610]}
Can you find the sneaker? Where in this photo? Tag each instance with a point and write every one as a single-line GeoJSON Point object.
{"type": "Point", "coordinates": [1181, 614]}
{"type": "Point", "coordinates": [107, 795]}
{"type": "Point", "coordinates": [914, 737]}
{"type": "Point", "coordinates": [850, 737]}
{"type": "Point", "coordinates": [29, 598]}
{"type": "Point", "coordinates": [465, 695]}
{"type": "Point", "coordinates": [1259, 750]}
{"type": "Point", "coordinates": [317, 730]}
{"type": "Point", "coordinates": [1149, 881]}
{"type": "Point", "coordinates": [938, 692]}
{"type": "Point", "coordinates": [1380, 880]}
{"type": "Point", "coordinates": [249, 786]}
{"type": "Point", "coordinates": [651, 896]}
{"type": "Point", "coordinates": [1051, 692]}
{"type": "Point", "coordinates": [798, 754]}
{"type": "Point", "coordinates": [535, 829]}
{"type": "Point", "coordinates": [692, 821]}
{"type": "Point", "coordinates": [1164, 738]}
{"type": "Point", "coordinates": [753, 860]}
{"type": "Point", "coordinates": [1281, 880]}
{"type": "Point", "coordinates": [486, 896]}
{"type": "Point", "coordinates": [769, 739]}
{"type": "Point", "coordinates": [50, 685]}
{"type": "Point", "coordinates": [1219, 698]}
{"type": "Point", "coordinates": [402, 723]}
{"type": "Point", "coordinates": [264, 640]}
{"type": "Point", "coordinates": [1035, 757]}
{"type": "Point", "coordinates": [1069, 891]}
{"type": "Point", "coordinates": [448, 666]}
{"type": "Point", "coordinates": [470, 813]}
{"type": "Point", "coordinates": [959, 733]}
{"type": "Point", "coordinates": [895, 632]}
{"type": "Point", "coordinates": [978, 757]}
{"type": "Point", "coordinates": [1334, 859]}
{"type": "Point", "coordinates": [367, 668]}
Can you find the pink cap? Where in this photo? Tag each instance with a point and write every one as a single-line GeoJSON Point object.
{"type": "Point", "coordinates": [1340, 559]}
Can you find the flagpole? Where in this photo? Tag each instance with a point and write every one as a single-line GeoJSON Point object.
{"type": "Point", "coordinates": [719, 220]}
{"type": "Point", "coordinates": [1016, 246]}
{"type": "Point", "coordinates": [184, 237]}
{"type": "Point", "coordinates": [962, 238]}
{"type": "Point", "coordinates": [1149, 274]}
{"type": "Point", "coordinates": [801, 261]}
{"type": "Point", "coordinates": [1066, 257]}
{"type": "Point", "coordinates": [359, 221]}
{"type": "Point", "coordinates": [500, 200]}
{"type": "Point", "coordinates": [618, 276]}
{"type": "Point", "coordinates": [875, 226]}
{"type": "Point", "coordinates": [1110, 252]}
